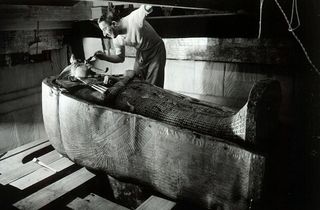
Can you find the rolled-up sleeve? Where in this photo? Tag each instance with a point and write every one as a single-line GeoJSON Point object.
{"type": "Point", "coordinates": [140, 14]}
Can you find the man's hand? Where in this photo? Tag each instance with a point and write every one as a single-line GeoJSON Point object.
{"type": "Point", "coordinates": [148, 8]}
{"type": "Point", "coordinates": [99, 54]}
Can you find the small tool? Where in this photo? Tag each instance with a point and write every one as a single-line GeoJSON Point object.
{"type": "Point", "coordinates": [36, 160]}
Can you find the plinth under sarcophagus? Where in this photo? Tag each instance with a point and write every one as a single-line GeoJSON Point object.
{"type": "Point", "coordinates": [179, 146]}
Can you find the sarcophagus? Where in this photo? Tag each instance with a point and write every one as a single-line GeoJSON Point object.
{"type": "Point", "coordinates": [182, 147]}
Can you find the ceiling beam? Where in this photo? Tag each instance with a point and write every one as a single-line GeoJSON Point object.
{"type": "Point", "coordinates": [199, 4]}
{"type": "Point", "coordinates": [22, 13]}
{"type": "Point", "coordinates": [233, 5]}
{"type": "Point", "coordinates": [40, 2]}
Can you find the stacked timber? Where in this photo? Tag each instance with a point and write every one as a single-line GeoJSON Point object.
{"type": "Point", "coordinates": [55, 182]}
{"type": "Point", "coordinates": [182, 147]}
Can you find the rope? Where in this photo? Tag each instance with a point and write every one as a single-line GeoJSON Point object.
{"type": "Point", "coordinates": [260, 18]}
{"type": "Point", "coordinates": [294, 8]}
{"type": "Point", "coordinates": [296, 37]}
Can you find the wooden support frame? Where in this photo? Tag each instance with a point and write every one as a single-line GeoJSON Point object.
{"type": "Point", "coordinates": [197, 4]}
{"type": "Point", "coordinates": [233, 50]}
{"type": "Point", "coordinates": [21, 41]}
{"type": "Point", "coordinates": [80, 11]}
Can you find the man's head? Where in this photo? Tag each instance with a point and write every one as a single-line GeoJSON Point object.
{"type": "Point", "coordinates": [109, 24]}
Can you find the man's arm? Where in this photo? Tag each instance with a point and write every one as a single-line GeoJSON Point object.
{"type": "Point", "coordinates": [110, 58]}
{"type": "Point", "coordinates": [148, 8]}
{"type": "Point", "coordinates": [140, 14]}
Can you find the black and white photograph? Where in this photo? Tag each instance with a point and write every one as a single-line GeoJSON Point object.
{"type": "Point", "coordinates": [160, 104]}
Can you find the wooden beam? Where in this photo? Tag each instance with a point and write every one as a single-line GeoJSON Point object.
{"type": "Point", "coordinates": [94, 202]}
{"type": "Point", "coordinates": [41, 174]}
{"type": "Point", "coordinates": [20, 103]}
{"type": "Point", "coordinates": [80, 11]}
{"type": "Point", "coordinates": [12, 174]}
{"type": "Point", "coordinates": [233, 50]}
{"type": "Point", "coordinates": [154, 202]}
{"type": "Point", "coordinates": [14, 25]}
{"type": "Point", "coordinates": [208, 4]}
{"type": "Point", "coordinates": [54, 191]}
{"type": "Point", "coordinates": [23, 41]}
{"type": "Point", "coordinates": [220, 26]}
{"type": "Point", "coordinates": [40, 2]}
{"type": "Point", "coordinates": [16, 160]}
{"type": "Point", "coordinates": [23, 148]}
{"type": "Point", "coordinates": [22, 77]}
{"type": "Point", "coordinates": [20, 93]}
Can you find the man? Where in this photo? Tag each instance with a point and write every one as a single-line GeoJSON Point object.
{"type": "Point", "coordinates": [133, 30]}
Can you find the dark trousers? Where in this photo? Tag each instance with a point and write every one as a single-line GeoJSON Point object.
{"type": "Point", "coordinates": [150, 64]}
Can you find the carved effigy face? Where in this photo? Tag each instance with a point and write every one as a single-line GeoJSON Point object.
{"type": "Point", "coordinates": [80, 70]}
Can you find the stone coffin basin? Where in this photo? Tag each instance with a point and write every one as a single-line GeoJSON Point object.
{"type": "Point", "coordinates": [217, 170]}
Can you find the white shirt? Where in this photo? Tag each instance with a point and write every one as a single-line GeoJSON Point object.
{"type": "Point", "coordinates": [140, 33]}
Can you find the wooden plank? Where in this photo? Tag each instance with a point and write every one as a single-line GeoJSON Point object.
{"type": "Point", "coordinates": [94, 202]}
{"type": "Point", "coordinates": [154, 202]}
{"type": "Point", "coordinates": [20, 77]}
{"type": "Point", "coordinates": [240, 25]}
{"type": "Point", "coordinates": [19, 93]}
{"type": "Point", "coordinates": [20, 103]}
{"type": "Point", "coordinates": [41, 174]}
{"type": "Point", "coordinates": [80, 11]}
{"type": "Point", "coordinates": [15, 25]}
{"type": "Point", "coordinates": [209, 4]}
{"type": "Point", "coordinates": [13, 173]}
{"type": "Point", "coordinates": [102, 3]}
{"type": "Point", "coordinates": [23, 148]}
{"type": "Point", "coordinates": [42, 2]}
{"type": "Point", "coordinates": [229, 50]}
{"type": "Point", "coordinates": [97, 12]}
{"type": "Point", "coordinates": [54, 191]}
{"type": "Point", "coordinates": [240, 50]}
{"type": "Point", "coordinates": [16, 160]}
{"type": "Point", "coordinates": [20, 41]}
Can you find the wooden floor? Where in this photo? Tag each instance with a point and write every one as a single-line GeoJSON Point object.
{"type": "Point", "coordinates": [35, 176]}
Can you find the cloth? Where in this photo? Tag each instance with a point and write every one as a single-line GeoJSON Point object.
{"type": "Point", "coordinates": [151, 52]}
